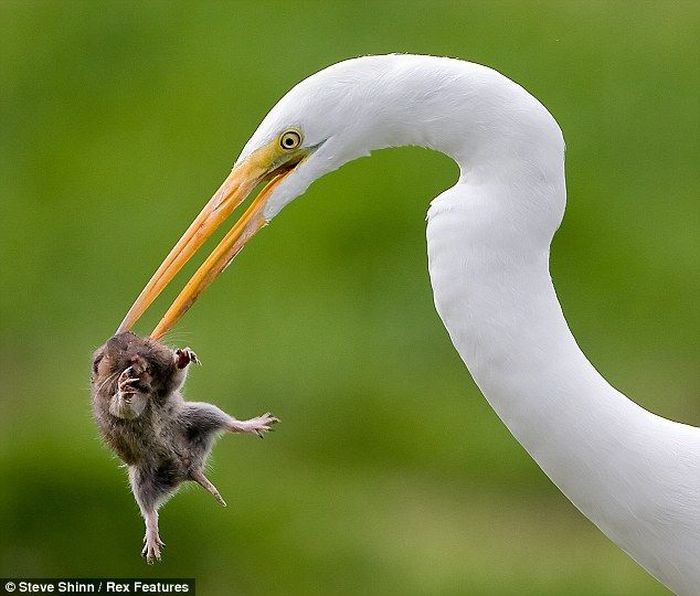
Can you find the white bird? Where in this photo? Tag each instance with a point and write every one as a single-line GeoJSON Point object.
{"type": "Point", "coordinates": [634, 474]}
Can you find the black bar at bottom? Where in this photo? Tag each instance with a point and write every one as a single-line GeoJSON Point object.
{"type": "Point", "coordinates": [97, 585]}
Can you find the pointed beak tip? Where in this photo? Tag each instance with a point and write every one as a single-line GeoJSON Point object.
{"type": "Point", "coordinates": [244, 177]}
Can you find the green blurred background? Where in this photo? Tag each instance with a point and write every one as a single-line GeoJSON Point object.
{"type": "Point", "coordinates": [389, 473]}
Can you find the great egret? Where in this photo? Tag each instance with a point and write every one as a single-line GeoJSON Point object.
{"type": "Point", "coordinates": [632, 473]}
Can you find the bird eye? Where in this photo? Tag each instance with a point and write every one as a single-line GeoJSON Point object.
{"type": "Point", "coordinates": [290, 139]}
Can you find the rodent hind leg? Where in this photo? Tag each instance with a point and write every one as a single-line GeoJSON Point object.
{"type": "Point", "coordinates": [148, 498]}
{"type": "Point", "coordinates": [203, 421]}
{"type": "Point", "coordinates": [207, 419]}
{"type": "Point", "coordinates": [151, 540]}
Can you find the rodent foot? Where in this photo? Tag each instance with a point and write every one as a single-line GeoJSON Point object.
{"type": "Point", "coordinates": [184, 356]}
{"type": "Point", "coordinates": [152, 547]}
{"type": "Point", "coordinates": [258, 425]}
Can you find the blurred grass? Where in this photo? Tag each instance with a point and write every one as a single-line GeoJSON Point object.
{"type": "Point", "coordinates": [389, 473]}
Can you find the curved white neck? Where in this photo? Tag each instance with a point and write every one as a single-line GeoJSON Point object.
{"type": "Point", "coordinates": [634, 474]}
{"type": "Point", "coordinates": [494, 294]}
{"type": "Point", "coordinates": [488, 244]}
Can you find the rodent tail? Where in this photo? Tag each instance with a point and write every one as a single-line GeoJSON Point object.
{"type": "Point", "coordinates": [199, 477]}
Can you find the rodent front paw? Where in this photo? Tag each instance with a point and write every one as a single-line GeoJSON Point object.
{"type": "Point", "coordinates": [126, 382]}
{"type": "Point", "coordinates": [184, 357]}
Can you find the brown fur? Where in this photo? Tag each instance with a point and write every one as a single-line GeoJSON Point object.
{"type": "Point", "coordinates": [163, 439]}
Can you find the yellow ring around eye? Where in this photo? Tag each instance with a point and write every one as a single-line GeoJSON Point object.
{"type": "Point", "coordinates": [290, 139]}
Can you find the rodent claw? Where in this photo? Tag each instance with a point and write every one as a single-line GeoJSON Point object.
{"type": "Point", "coordinates": [185, 356]}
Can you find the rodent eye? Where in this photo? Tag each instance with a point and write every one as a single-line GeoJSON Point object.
{"type": "Point", "coordinates": [96, 363]}
{"type": "Point", "coordinates": [290, 139]}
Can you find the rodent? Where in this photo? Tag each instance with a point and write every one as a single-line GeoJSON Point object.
{"type": "Point", "coordinates": [142, 416]}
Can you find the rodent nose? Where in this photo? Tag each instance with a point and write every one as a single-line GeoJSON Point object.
{"type": "Point", "coordinates": [139, 364]}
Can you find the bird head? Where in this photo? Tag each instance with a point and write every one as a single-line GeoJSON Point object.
{"type": "Point", "coordinates": [314, 129]}
{"type": "Point", "coordinates": [346, 111]}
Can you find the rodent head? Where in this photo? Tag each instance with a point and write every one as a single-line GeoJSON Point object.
{"type": "Point", "coordinates": [152, 363]}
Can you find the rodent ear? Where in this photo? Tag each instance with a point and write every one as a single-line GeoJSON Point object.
{"type": "Point", "coordinates": [96, 363]}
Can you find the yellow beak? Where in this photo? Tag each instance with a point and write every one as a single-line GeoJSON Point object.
{"type": "Point", "coordinates": [268, 164]}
